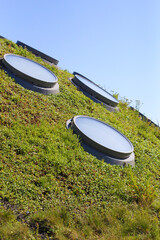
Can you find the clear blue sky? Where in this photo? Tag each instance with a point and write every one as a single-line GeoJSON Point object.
{"type": "Point", "coordinates": [114, 43]}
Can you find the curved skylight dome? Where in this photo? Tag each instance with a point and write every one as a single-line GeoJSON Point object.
{"type": "Point", "coordinates": [103, 141]}
{"type": "Point", "coordinates": [94, 90]}
{"type": "Point", "coordinates": [32, 72]}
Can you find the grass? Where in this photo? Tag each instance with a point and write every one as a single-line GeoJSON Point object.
{"type": "Point", "coordinates": [50, 188]}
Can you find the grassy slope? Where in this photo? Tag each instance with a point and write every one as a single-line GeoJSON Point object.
{"type": "Point", "coordinates": [51, 188]}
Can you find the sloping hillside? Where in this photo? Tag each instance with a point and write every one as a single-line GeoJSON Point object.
{"type": "Point", "coordinates": [50, 188]}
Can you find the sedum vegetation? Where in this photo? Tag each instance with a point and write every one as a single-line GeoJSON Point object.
{"type": "Point", "coordinates": [50, 188]}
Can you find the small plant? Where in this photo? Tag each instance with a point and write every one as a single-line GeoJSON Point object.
{"type": "Point", "coordinates": [141, 190]}
{"type": "Point", "coordinates": [138, 105]}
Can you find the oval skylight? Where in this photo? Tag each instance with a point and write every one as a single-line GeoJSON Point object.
{"type": "Point", "coordinates": [102, 140]}
{"type": "Point", "coordinates": [102, 136]}
{"type": "Point", "coordinates": [93, 89]}
{"type": "Point", "coordinates": [29, 70]}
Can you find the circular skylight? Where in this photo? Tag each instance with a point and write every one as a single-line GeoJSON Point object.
{"type": "Point", "coordinates": [102, 136]}
{"type": "Point", "coordinates": [93, 89]}
{"type": "Point", "coordinates": [30, 71]}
